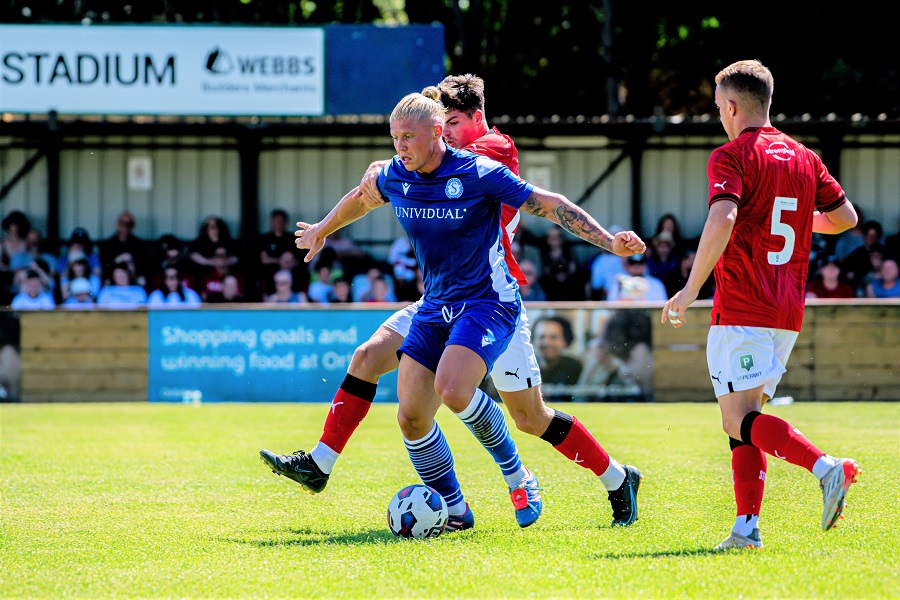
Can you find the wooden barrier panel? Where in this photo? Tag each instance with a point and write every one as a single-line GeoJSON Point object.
{"type": "Point", "coordinates": [84, 356]}
{"type": "Point", "coordinates": [846, 351]}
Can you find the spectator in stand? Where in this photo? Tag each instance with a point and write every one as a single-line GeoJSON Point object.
{"type": "Point", "coordinates": [80, 297]}
{"type": "Point", "coordinates": [605, 267]}
{"type": "Point", "coordinates": [171, 255]}
{"type": "Point", "coordinates": [340, 292]}
{"type": "Point", "coordinates": [677, 279]}
{"type": "Point", "coordinates": [553, 334]}
{"type": "Point", "coordinates": [321, 286]}
{"type": "Point", "coordinates": [851, 239]}
{"type": "Point", "coordinates": [876, 259]}
{"type": "Point", "coordinates": [272, 246]}
{"type": "Point", "coordinates": [298, 269]}
{"type": "Point", "coordinates": [892, 244]}
{"type": "Point", "coordinates": [34, 248]}
{"type": "Point", "coordinates": [627, 335]}
{"type": "Point", "coordinates": [669, 223]}
{"type": "Point", "coordinates": [887, 286]}
{"type": "Point", "coordinates": [403, 258]}
{"type": "Point", "coordinates": [126, 260]}
{"type": "Point", "coordinates": [33, 256]}
{"type": "Point", "coordinates": [859, 264]}
{"type": "Point", "coordinates": [123, 246]}
{"type": "Point", "coordinates": [15, 229]}
{"type": "Point", "coordinates": [173, 292]}
{"type": "Point", "coordinates": [361, 286]}
{"type": "Point", "coordinates": [34, 295]}
{"type": "Point", "coordinates": [122, 292]}
{"type": "Point", "coordinates": [79, 246]}
{"type": "Point", "coordinates": [637, 285]}
{"type": "Point", "coordinates": [284, 292]}
{"type": "Point", "coordinates": [39, 266]}
{"type": "Point", "coordinates": [351, 257]}
{"type": "Point", "coordinates": [213, 234]}
{"type": "Point", "coordinates": [78, 268]}
{"type": "Point", "coordinates": [561, 276]}
{"type": "Point", "coordinates": [662, 258]}
{"type": "Point", "coordinates": [211, 285]}
{"type": "Point", "coordinates": [231, 289]}
{"type": "Point", "coordinates": [379, 291]}
{"type": "Point", "coordinates": [827, 282]}
{"type": "Point", "coordinates": [532, 291]}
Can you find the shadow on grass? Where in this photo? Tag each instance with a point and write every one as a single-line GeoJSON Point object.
{"type": "Point", "coordinates": [656, 554]}
{"type": "Point", "coordinates": [310, 537]}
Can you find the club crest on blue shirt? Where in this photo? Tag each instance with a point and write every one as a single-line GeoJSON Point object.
{"type": "Point", "coordinates": [454, 188]}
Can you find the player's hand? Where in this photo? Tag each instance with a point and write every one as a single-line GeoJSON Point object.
{"type": "Point", "coordinates": [674, 310]}
{"type": "Point", "coordinates": [370, 199]}
{"type": "Point", "coordinates": [309, 238]}
{"type": "Point", "coordinates": [627, 243]}
{"type": "Point", "coordinates": [368, 188]}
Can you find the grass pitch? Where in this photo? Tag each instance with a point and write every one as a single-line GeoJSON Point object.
{"type": "Point", "coordinates": [145, 500]}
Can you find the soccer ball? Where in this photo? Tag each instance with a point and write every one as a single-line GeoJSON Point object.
{"type": "Point", "coordinates": [417, 511]}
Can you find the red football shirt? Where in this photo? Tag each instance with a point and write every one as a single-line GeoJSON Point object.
{"type": "Point", "coordinates": [501, 148]}
{"type": "Point", "coordinates": [777, 184]}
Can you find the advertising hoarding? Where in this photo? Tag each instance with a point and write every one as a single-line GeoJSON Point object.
{"type": "Point", "coordinates": [162, 70]}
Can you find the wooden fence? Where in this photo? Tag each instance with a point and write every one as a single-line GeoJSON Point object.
{"type": "Point", "coordinates": [845, 352]}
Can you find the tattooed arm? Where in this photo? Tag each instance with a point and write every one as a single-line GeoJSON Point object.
{"type": "Point", "coordinates": [575, 220]}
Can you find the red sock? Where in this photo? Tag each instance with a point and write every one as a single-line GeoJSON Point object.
{"type": "Point", "coordinates": [748, 467]}
{"type": "Point", "coordinates": [580, 446]}
{"type": "Point", "coordinates": [779, 438]}
{"type": "Point", "coordinates": [347, 410]}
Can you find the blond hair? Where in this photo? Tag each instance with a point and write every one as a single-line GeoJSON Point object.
{"type": "Point", "coordinates": [420, 107]}
{"type": "Point", "coordinates": [750, 79]}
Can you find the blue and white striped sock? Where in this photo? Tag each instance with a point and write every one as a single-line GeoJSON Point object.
{"type": "Point", "coordinates": [486, 422]}
{"type": "Point", "coordinates": [433, 461]}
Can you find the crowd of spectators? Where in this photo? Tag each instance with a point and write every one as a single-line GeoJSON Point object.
{"type": "Point", "coordinates": [126, 271]}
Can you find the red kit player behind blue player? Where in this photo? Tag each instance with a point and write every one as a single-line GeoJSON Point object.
{"type": "Point", "coordinates": [515, 374]}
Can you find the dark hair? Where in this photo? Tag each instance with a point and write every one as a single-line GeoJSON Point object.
{"type": "Point", "coordinates": [18, 219]}
{"type": "Point", "coordinates": [279, 212]}
{"type": "Point", "coordinates": [169, 242]}
{"type": "Point", "coordinates": [81, 236]}
{"type": "Point", "coordinates": [82, 261]}
{"type": "Point", "coordinates": [180, 289]}
{"type": "Point", "coordinates": [464, 93]}
{"type": "Point", "coordinates": [564, 324]}
{"type": "Point", "coordinates": [872, 225]}
{"type": "Point", "coordinates": [675, 234]}
{"type": "Point", "coordinates": [224, 232]}
{"type": "Point", "coordinates": [625, 329]}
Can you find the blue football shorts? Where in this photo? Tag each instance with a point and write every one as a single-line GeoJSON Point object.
{"type": "Point", "coordinates": [483, 326]}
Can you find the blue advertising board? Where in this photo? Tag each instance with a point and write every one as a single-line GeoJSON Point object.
{"type": "Point", "coordinates": [257, 355]}
{"type": "Point", "coordinates": [370, 67]}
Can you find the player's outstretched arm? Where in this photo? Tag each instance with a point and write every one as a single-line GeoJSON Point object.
{"type": "Point", "coordinates": [575, 220]}
{"type": "Point", "coordinates": [838, 220]}
{"type": "Point", "coordinates": [713, 240]}
{"type": "Point", "coordinates": [311, 236]}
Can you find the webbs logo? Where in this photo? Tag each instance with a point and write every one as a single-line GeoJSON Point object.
{"type": "Point", "coordinates": [220, 62]}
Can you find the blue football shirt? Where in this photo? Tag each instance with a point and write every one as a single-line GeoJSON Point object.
{"type": "Point", "coordinates": [452, 218]}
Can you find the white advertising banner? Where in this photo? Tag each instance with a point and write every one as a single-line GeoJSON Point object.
{"type": "Point", "coordinates": [166, 70]}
